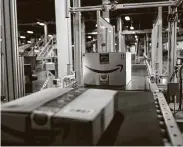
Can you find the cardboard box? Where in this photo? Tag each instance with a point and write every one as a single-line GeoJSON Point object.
{"type": "Point", "coordinates": [58, 117]}
{"type": "Point", "coordinates": [107, 69]}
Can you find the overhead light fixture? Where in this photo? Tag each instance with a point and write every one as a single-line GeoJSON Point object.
{"type": "Point", "coordinates": [28, 41]}
{"type": "Point", "coordinates": [39, 39]}
{"type": "Point", "coordinates": [50, 35]}
{"type": "Point", "coordinates": [40, 23]}
{"type": "Point", "coordinates": [22, 37]}
{"type": "Point", "coordinates": [131, 28]}
{"type": "Point", "coordinates": [89, 37]}
{"type": "Point", "coordinates": [30, 32]}
{"type": "Point", "coordinates": [136, 36]}
{"type": "Point", "coordinates": [127, 18]}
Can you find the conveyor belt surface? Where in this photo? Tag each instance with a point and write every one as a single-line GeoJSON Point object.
{"type": "Point", "coordinates": [140, 125]}
{"type": "Point", "coordinates": [135, 123]}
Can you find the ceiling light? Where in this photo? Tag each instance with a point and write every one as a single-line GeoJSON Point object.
{"type": "Point", "coordinates": [136, 36]}
{"type": "Point", "coordinates": [22, 37]}
{"type": "Point", "coordinates": [41, 24]}
{"type": "Point", "coordinates": [96, 25]}
{"type": "Point", "coordinates": [127, 18]}
{"type": "Point", "coordinates": [50, 35]}
{"type": "Point", "coordinates": [89, 37]}
{"type": "Point", "coordinates": [30, 32]}
{"type": "Point", "coordinates": [28, 41]}
{"type": "Point", "coordinates": [131, 28]}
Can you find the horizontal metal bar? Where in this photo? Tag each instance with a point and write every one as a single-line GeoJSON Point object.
{"type": "Point", "coordinates": [127, 32]}
{"type": "Point", "coordinates": [122, 6]}
{"type": "Point", "coordinates": [144, 5]}
{"type": "Point", "coordinates": [86, 8]}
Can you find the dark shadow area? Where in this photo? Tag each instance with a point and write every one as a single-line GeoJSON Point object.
{"type": "Point", "coordinates": [110, 135]}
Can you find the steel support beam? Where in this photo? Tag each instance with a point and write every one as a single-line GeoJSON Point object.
{"type": "Point", "coordinates": [105, 13]}
{"type": "Point", "coordinates": [63, 30]}
{"type": "Point", "coordinates": [160, 41]}
{"type": "Point", "coordinates": [123, 6]}
{"type": "Point", "coordinates": [125, 32]}
{"type": "Point", "coordinates": [10, 49]}
{"type": "Point", "coordinates": [119, 30]}
{"type": "Point", "coordinates": [98, 32]}
{"type": "Point", "coordinates": [45, 33]}
{"type": "Point", "coordinates": [172, 43]}
{"type": "Point", "coordinates": [77, 43]}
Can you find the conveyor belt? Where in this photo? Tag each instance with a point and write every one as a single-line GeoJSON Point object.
{"type": "Point", "coordinates": [136, 122]}
{"type": "Point", "coordinates": [140, 125]}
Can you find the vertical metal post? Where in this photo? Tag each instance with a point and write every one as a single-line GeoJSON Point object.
{"type": "Point", "coordinates": [153, 48]}
{"type": "Point", "coordinates": [105, 13]}
{"type": "Point", "coordinates": [77, 43]}
{"type": "Point", "coordinates": [172, 45]}
{"type": "Point", "coordinates": [45, 33]}
{"type": "Point", "coordinates": [63, 28]}
{"type": "Point", "coordinates": [10, 48]}
{"type": "Point", "coordinates": [119, 30]}
{"type": "Point", "coordinates": [1, 73]}
{"type": "Point", "coordinates": [160, 41]}
{"type": "Point", "coordinates": [145, 45]}
{"type": "Point", "coordinates": [98, 32]}
{"type": "Point", "coordinates": [83, 36]}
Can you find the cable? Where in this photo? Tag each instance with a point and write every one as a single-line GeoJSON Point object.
{"type": "Point", "coordinates": [180, 74]}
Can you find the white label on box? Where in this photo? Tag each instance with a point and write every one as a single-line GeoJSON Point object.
{"type": "Point", "coordinates": [79, 110]}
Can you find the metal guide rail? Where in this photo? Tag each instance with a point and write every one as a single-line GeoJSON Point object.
{"type": "Point", "coordinates": [169, 128]}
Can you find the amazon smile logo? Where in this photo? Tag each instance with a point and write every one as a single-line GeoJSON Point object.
{"type": "Point", "coordinates": [119, 67]}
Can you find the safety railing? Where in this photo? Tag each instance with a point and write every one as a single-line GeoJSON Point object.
{"type": "Point", "coordinates": [38, 44]}
{"type": "Point", "coordinates": [150, 71]}
{"type": "Point", "coordinates": [46, 48]}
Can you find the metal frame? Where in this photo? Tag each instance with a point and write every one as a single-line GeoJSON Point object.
{"type": "Point", "coordinates": [10, 49]}
{"type": "Point", "coordinates": [157, 58]}
{"type": "Point", "coordinates": [122, 6]}
{"type": "Point", "coordinates": [1, 73]}
{"type": "Point", "coordinates": [172, 43]}
{"type": "Point", "coordinates": [112, 6]}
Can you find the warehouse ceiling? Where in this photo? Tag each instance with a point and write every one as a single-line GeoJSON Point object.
{"type": "Point", "coordinates": [31, 11]}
